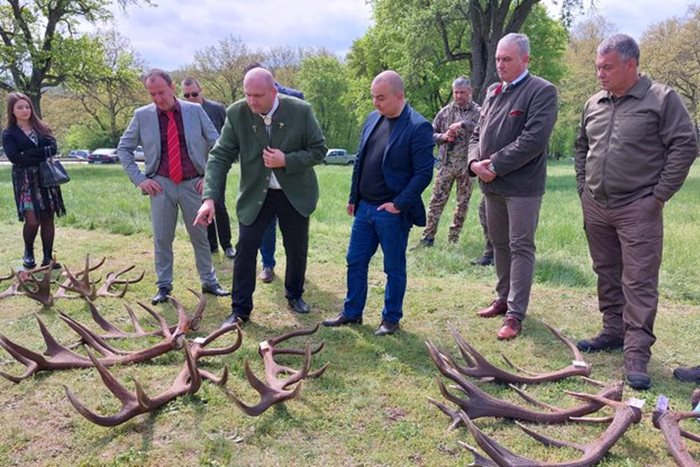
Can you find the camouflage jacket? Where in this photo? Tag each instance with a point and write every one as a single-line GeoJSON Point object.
{"type": "Point", "coordinates": [455, 152]}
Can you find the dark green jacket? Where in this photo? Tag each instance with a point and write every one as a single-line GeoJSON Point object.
{"type": "Point", "coordinates": [295, 131]}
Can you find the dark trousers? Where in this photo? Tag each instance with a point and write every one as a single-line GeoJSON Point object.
{"type": "Point", "coordinates": [626, 245]}
{"type": "Point", "coordinates": [221, 225]}
{"type": "Point", "coordinates": [267, 248]}
{"type": "Point", "coordinates": [295, 237]}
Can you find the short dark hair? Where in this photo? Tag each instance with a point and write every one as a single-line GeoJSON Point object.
{"type": "Point", "coordinates": [157, 73]}
{"type": "Point", "coordinates": [189, 81]}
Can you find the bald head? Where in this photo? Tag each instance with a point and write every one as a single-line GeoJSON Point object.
{"type": "Point", "coordinates": [260, 91]}
{"type": "Point", "coordinates": [387, 93]}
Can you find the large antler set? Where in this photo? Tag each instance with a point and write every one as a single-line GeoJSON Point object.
{"type": "Point", "coordinates": [274, 389]}
{"type": "Point", "coordinates": [36, 284]}
{"type": "Point", "coordinates": [479, 404]}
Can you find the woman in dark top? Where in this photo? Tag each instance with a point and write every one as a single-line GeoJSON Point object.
{"type": "Point", "coordinates": [27, 141]}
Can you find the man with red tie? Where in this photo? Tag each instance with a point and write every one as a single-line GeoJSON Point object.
{"type": "Point", "coordinates": [176, 137]}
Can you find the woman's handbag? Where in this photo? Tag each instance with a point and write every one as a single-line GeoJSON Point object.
{"type": "Point", "coordinates": [52, 173]}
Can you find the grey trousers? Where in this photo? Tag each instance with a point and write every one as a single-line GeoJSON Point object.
{"type": "Point", "coordinates": [164, 211]}
{"type": "Point", "coordinates": [512, 222]}
{"type": "Point", "coordinates": [626, 244]}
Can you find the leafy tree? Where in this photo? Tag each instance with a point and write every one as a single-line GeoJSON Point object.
{"type": "Point", "coordinates": [40, 46]}
{"type": "Point", "coordinates": [325, 83]}
{"type": "Point", "coordinates": [670, 53]}
{"type": "Point", "coordinates": [107, 84]}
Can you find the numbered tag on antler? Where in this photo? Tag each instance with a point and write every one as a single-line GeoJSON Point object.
{"type": "Point", "coordinates": [579, 363]}
{"type": "Point", "coordinates": [199, 340]}
{"type": "Point", "coordinates": [264, 345]}
{"type": "Point", "coordinates": [636, 403]}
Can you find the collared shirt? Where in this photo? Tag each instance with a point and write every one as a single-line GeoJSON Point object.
{"type": "Point", "coordinates": [641, 143]}
{"type": "Point", "coordinates": [274, 183]}
{"type": "Point", "coordinates": [457, 151]}
{"type": "Point", "coordinates": [188, 169]}
{"type": "Point", "coordinates": [520, 77]}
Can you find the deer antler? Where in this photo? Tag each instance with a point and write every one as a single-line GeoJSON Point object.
{"type": "Point", "coordinates": [113, 278]}
{"type": "Point", "coordinates": [58, 357]}
{"type": "Point", "coordinates": [34, 288]}
{"type": "Point", "coordinates": [273, 390]}
{"type": "Point", "coordinates": [480, 404]}
{"type": "Point", "coordinates": [80, 283]}
{"type": "Point", "coordinates": [668, 422]}
{"type": "Point", "coordinates": [188, 381]}
{"type": "Point", "coordinates": [12, 289]}
{"type": "Point", "coordinates": [479, 367]}
{"type": "Point", "coordinates": [625, 415]}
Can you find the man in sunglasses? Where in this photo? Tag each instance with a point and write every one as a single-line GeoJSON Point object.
{"type": "Point", "coordinates": [192, 91]}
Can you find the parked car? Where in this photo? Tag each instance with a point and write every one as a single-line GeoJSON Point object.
{"type": "Point", "coordinates": [339, 157]}
{"type": "Point", "coordinates": [103, 156]}
{"type": "Point", "coordinates": [81, 154]}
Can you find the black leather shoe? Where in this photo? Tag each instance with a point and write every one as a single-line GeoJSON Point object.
{"type": "Point", "coordinates": [298, 305]}
{"type": "Point", "coordinates": [234, 318]}
{"type": "Point", "coordinates": [230, 252]}
{"type": "Point", "coordinates": [47, 261]}
{"type": "Point", "coordinates": [28, 261]}
{"type": "Point", "coordinates": [342, 320]}
{"type": "Point", "coordinates": [483, 261]}
{"type": "Point", "coordinates": [386, 328]}
{"type": "Point", "coordinates": [599, 343]}
{"type": "Point", "coordinates": [689, 375]}
{"type": "Point", "coordinates": [162, 296]}
{"type": "Point", "coordinates": [215, 289]}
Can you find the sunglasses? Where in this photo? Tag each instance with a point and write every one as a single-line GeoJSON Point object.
{"type": "Point", "coordinates": [193, 94]}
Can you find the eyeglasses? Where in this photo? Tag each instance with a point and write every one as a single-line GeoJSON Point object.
{"type": "Point", "coordinates": [190, 94]}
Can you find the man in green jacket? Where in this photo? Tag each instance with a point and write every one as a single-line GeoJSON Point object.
{"type": "Point", "coordinates": [277, 141]}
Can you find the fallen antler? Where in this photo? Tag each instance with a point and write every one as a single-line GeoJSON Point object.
{"type": "Point", "coordinates": [668, 422]}
{"type": "Point", "coordinates": [274, 390]}
{"type": "Point", "coordinates": [34, 288]}
{"type": "Point", "coordinates": [626, 414]}
{"type": "Point", "coordinates": [58, 357]}
{"type": "Point", "coordinates": [80, 283]}
{"type": "Point", "coordinates": [480, 404]}
{"type": "Point", "coordinates": [188, 381]}
{"type": "Point", "coordinates": [114, 278]}
{"type": "Point", "coordinates": [479, 367]}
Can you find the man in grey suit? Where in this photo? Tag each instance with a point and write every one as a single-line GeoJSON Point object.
{"type": "Point", "coordinates": [176, 137]}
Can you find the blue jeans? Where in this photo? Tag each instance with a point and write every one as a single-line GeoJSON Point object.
{"type": "Point", "coordinates": [370, 229]}
{"type": "Point", "coordinates": [267, 247]}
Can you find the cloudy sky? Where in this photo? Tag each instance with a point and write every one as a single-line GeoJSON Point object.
{"type": "Point", "coordinates": [167, 36]}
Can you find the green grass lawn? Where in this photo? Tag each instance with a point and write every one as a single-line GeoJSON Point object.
{"type": "Point", "coordinates": [370, 407]}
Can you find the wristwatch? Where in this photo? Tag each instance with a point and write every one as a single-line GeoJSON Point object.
{"type": "Point", "coordinates": [491, 168]}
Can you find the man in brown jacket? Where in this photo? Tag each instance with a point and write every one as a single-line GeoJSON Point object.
{"type": "Point", "coordinates": [508, 152]}
{"type": "Point", "coordinates": [634, 149]}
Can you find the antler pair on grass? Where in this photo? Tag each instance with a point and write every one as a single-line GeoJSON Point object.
{"type": "Point", "coordinates": [188, 381]}
{"type": "Point", "coordinates": [275, 390]}
{"type": "Point", "coordinates": [59, 357]}
{"type": "Point", "coordinates": [626, 414]}
{"type": "Point", "coordinates": [81, 284]}
{"type": "Point", "coordinates": [669, 423]}
{"type": "Point", "coordinates": [480, 404]}
{"type": "Point", "coordinates": [34, 284]}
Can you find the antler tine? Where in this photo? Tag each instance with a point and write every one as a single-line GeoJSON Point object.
{"type": "Point", "coordinates": [196, 319]}
{"type": "Point", "coordinates": [574, 350]}
{"type": "Point", "coordinates": [4, 278]}
{"type": "Point", "coordinates": [13, 289]}
{"type": "Point", "coordinates": [314, 350]}
{"type": "Point", "coordinates": [516, 367]}
{"type": "Point", "coordinates": [218, 380]}
{"type": "Point", "coordinates": [163, 324]}
{"type": "Point", "coordinates": [202, 351]}
{"type": "Point", "coordinates": [495, 451]}
{"type": "Point", "coordinates": [103, 323]}
{"type": "Point", "coordinates": [114, 278]}
{"type": "Point", "coordinates": [467, 351]}
{"type": "Point", "coordinates": [91, 339]}
{"type": "Point", "coordinates": [42, 290]}
{"type": "Point", "coordinates": [32, 366]}
{"type": "Point", "coordinates": [453, 414]}
{"type": "Point", "coordinates": [479, 459]}
{"type": "Point", "coordinates": [550, 442]}
{"type": "Point", "coordinates": [296, 332]}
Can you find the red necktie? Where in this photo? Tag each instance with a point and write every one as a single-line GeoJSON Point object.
{"type": "Point", "coordinates": [174, 162]}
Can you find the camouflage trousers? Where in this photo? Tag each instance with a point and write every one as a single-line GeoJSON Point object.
{"type": "Point", "coordinates": [446, 176]}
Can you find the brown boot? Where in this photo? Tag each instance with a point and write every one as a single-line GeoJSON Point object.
{"type": "Point", "coordinates": [635, 372]}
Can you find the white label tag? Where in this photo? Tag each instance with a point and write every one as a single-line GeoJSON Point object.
{"type": "Point", "coordinates": [264, 345]}
{"type": "Point", "coordinates": [579, 363]}
{"type": "Point", "coordinates": [199, 340]}
{"type": "Point", "coordinates": [636, 403]}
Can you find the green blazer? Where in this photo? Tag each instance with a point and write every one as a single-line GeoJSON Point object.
{"type": "Point", "coordinates": [295, 131]}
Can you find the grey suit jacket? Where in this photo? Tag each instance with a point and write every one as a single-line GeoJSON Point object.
{"type": "Point", "coordinates": [144, 129]}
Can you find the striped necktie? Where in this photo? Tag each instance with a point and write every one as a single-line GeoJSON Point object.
{"type": "Point", "coordinates": [174, 161]}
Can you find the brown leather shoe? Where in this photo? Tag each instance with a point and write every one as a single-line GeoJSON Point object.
{"type": "Point", "coordinates": [497, 307]}
{"type": "Point", "coordinates": [267, 275]}
{"type": "Point", "coordinates": [510, 329]}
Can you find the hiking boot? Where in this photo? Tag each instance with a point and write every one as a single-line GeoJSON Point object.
{"type": "Point", "coordinates": [599, 343]}
{"type": "Point", "coordinates": [689, 375]}
{"type": "Point", "coordinates": [426, 242]}
{"type": "Point", "coordinates": [635, 372]}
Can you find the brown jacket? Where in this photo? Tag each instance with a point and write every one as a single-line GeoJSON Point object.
{"type": "Point", "coordinates": [642, 143]}
{"type": "Point", "coordinates": [513, 132]}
